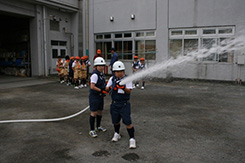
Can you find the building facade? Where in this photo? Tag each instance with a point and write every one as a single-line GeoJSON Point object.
{"type": "Point", "coordinates": [161, 29]}
{"type": "Point", "coordinates": [35, 32]}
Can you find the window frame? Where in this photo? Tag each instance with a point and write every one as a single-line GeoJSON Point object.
{"type": "Point", "coordinates": [122, 39]}
{"type": "Point", "coordinates": [200, 36]}
{"type": "Point", "coordinates": [225, 34]}
{"type": "Point", "coordinates": [59, 47]}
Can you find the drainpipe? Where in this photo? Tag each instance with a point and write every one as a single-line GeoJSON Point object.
{"type": "Point", "coordinates": [85, 26]}
{"type": "Point", "coordinates": [45, 42]}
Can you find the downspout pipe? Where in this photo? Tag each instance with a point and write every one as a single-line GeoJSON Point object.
{"type": "Point", "coordinates": [45, 42]}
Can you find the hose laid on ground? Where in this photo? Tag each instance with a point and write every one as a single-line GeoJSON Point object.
{"type": "Point", "coordinates": [45, 120]}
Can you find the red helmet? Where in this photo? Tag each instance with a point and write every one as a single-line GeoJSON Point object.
{"type": "Point", "coordinates": [77, 57]}
{"type": "Point", "coordinates": [142, 59]}
{"type": "Point", "coordinates": [98, 51]}
{"type": "Point", "coordinates": [85, 57]}
{"type": "Point", "coordinates": [136, 57]}
{"type": "Point", "coordinates": [72, 57]}
{"type": "Point", "coordinates": [82, 58]}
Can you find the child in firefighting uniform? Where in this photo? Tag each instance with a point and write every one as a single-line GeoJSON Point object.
{"type": "Point", "coordinates": [96, 96]}
{"type": "Point", "coordinates": [120, 106]}
{"type": "Point", "coordinates": [60, 69]}
{"type": "Point", "coordinates": [135, 68]}
{"type": "Point", "coordinates": [76, 66]}
{"type": "Point", "coordinates": [71, 73]}
{"type": "Point", "coordinates": [66, 69]}
{"type": "Point", "coordinates": [83, 73]}
{"type": "Point", "coordinates": [88, 64]}
{"type": "Point", "coordinates": [142, 67]}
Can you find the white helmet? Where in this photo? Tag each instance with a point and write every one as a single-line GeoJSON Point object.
{"type": "Point", "coordinates": [118, 66]}
{"type": "Point", "coordinates": [99, 61]}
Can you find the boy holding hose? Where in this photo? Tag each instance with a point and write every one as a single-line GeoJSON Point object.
{"type": "Point", "coordinates": [120, 106]}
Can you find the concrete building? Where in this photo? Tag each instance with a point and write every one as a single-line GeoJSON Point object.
{"type": "Point", "coordinates": [35, 32]}
{"type": "Point", "coordinates": [160, 29]}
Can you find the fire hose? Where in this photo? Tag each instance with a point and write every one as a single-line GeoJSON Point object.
{"type": "Point", "coordinates": [46, 120]}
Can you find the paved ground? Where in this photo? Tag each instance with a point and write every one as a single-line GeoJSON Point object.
{"type": "Point", "coordinates": [175, 122]}
{"type": "Point", "coordinates": [16, 82]}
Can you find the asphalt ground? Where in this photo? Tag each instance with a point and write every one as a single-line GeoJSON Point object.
{"type": "Point", "coordinates": [181, 121]}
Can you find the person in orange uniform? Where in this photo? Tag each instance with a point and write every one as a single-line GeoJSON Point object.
{"type": "Point", "coordinates": [83, 73]}
{"type": "Point", "coordinates": [66, 70]}
{"type": "Point", "coordinates": [60, 69]}
{"type": "Point", "coordinates": [135, 68]}
{"type": "Point", "coordinates": [76, 66]}
{"type": "Point", "coordinates": [88, 64]}
{"type": "Point", "coordinates": [98, 54]}
{"type": "Point", "coordinates": [71, 70]}
{"type": "Point", "coordinates": [142, 66]}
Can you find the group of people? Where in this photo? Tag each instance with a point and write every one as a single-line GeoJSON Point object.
{"type": "Point", "coordinates": [120, 96]}
{"type": "Point", "coordinates": [138, 65]}
{"type": "Point", "coordinates": [77, 72]}
{"type": "Point", "coordinates": [73, 71]}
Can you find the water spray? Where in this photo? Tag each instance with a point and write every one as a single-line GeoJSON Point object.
{"type": "Point", "coordinates": [226, 46]}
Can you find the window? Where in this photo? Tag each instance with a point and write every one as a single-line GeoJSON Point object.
{"type": "Point", "coordinates": [225, 56]}
{"type": "Point", "coordinates": [118, 46]}
{"type": "Point", "coordinates": [127, 50]}
{"type": "Point", "coordinates": [105, 49]}
{"type": "Point", "coordinates": [58, 49]}
{"type": "Point", "coordinates": [62, 43]}
{"type": "Point", "coordinates": [127, 44]}
{"type": "Point", "coordinates": [183, 41]}
{"type": "Point", "coordinates": [149, 34]}
{"type": "Point", "coordinates": [175, 48]}
{"type": "Point", "coordinates": [190, 32]}
{"type": "Point", "coordinates": [99, 46]}
{"type": "Point", "coordinates": [139, 34]}
{"type": "Point", "coordinates": [190, 45]}
{"type": "Point", "coordinates": [140, 48]}
{"type": "Point", "coordinates": [62, 53]}
{"type": "Point", "coordinates": [99, 37]}
{"type": "Point", "coordinates": [124, 49]}
{"type": "Point", "coordinates": [126, 35]}
{"type": "Point", "coordinates": [55, 43]}
{"type": "Point", "coordinates": [208, 43]}
{"type": "Point", "coordinates": [55, 53]}
{"type": "Point", "coordinates": [209, 31]}
{"type": "Point", "coordinates": [178, 32]}
{"type": "Point", "coordinates": [150, 49]}
{"type": "Point", "coordinates": [146, 49]}
{"type": "Point", "coordinates": [54, 25]}
{"type": "Point", "coordinates": [107, 36]}
{"type": "Point", "coordinates": [58, 43]}
{"type": "Point", "coordinates": [118, 35]}
{"type": "Point", "coordinates": [226, 31]}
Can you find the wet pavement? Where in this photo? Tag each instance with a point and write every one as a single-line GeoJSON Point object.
{"type": "Point", "coordinates": [181, 121]}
